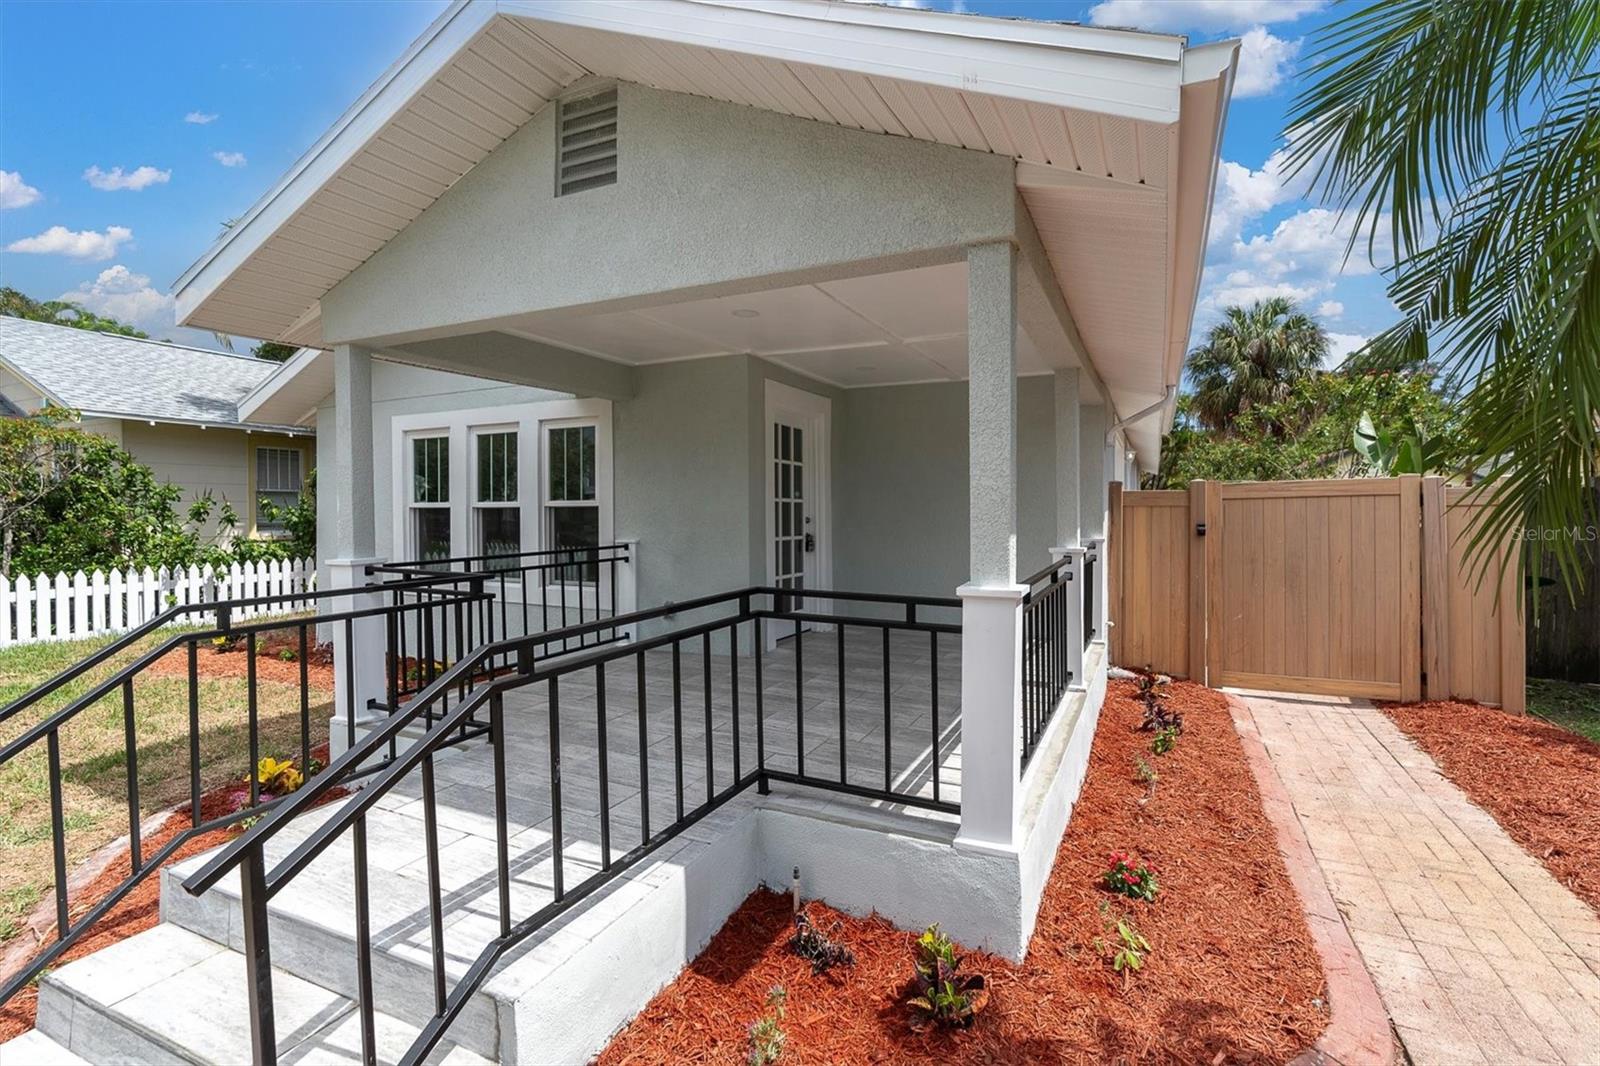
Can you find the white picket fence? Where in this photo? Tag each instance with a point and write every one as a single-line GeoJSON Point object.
{"type": "Point", "coordinates": [86, 605]}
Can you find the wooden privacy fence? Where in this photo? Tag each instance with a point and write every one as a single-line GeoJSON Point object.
{"type": "Point", "coordinates": [1355, 587]}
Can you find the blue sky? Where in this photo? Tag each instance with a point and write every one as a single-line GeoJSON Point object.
{"type": "Point", "coordinates": [118, 168]}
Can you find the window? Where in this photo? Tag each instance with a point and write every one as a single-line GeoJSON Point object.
{"type": "Point", "coordinates": [572, 514]}
{"type": "Point", "coordinates": [430, 497]}
{"type": "Point", "coordinates": [278, 481]}
{"type": "Point", "coordinates": [497, 512]}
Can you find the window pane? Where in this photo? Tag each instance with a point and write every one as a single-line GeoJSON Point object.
{"type": "Point", "coordinates": [500, 533]}
{"type": "Point", "coordinates": [277, 470]}
{"type": "Point", "coordinates": [571, 528]}
{"type": "Point", "coordinates": [430, 462]}
{"type": "Point", "coordinates": [572, 463]}
{"type": "Point", "coordinates": [497, 467]}
{"type": "Point", "coordinates": [433, 532]}
{"type": "Point", "coordinates": [586, 433]}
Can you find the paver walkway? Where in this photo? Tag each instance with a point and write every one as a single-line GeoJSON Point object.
{"type": "Point", "coordinates": [1479, 954]}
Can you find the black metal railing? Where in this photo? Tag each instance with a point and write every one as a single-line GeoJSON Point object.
{"type": "Point", "coordinates": [532, 592]}
{"type": "Point", "coordinates": [1046, 649]}
{"type": "Point", "coordinates": [206, 625]}
{"type": "Point", "coordinates": [726, 630]}
{"type": "Point", "coordinates": [1090, 622]}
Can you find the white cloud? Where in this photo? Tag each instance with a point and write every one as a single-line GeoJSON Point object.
{"type": "Point", "coordinates": [1208, 16]}
{"type": "Point", "coordinates": [1313, 240]}
{"type": "Point", "coordinates": [1243, 290]}
{"type": "Point", "coordinates": [14, 192]}
{"type": "Point", "coordinates": [1340, 345]}
{"type": "Point", "coordinates": [199, 118]}
{"type": "Point", "coordinates": [110, 180]}
{"type": "Point", "coordinates": [1330, 309]}
{"type": "Point", "coordinates": [125, 296]}
{"type": "Point", "coordinates": [229, 159]}
{"type": "Point", "coordinates": [1243, 195]}
{"type": "Point", "coordinates": [78, 244]}
{"type": "Point", "coordinates": [1265, 62]}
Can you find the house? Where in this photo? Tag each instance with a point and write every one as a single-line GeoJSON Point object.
{"type": "Point", "coordinates": [716, 404]}
{"type": "Point", "coordinates": [173, 407]}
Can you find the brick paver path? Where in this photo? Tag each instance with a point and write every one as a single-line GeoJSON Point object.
{"type": "Point", "coordinates": [1479, 954]}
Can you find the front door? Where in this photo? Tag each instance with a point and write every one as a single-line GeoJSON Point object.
{"type": "Point", "coordinates": [798, 552]}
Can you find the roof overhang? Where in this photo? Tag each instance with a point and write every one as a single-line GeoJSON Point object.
{"type": "Point", "coordinates": [291, 394]}
{"type": "Point", "coordinates": [1115, 133]}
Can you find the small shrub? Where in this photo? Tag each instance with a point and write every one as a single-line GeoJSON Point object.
{"type": "Point", "coordinates": [288, 655]}
{"type": "Point", "coordinates": [810, 944]}
{"type": "Point", "coordinates": [945, 996]}
{"type": "Point", "coordinates": [1127, 877]}
{"type": "Point", "coordinates": [1123, 945]}
{"type": "Point", "coordinates": [1157, 715]}
{"type": "Point", "coordinates": [278, 777]}
{"type": "Point", "coordinates": [1146, 775]}
{"type": "Point", "coordinates": [1164, 740]}
{"type": "Point", "coordinates": [224, 644]}
{"type": "Point", "coordinates": [765, 1037]}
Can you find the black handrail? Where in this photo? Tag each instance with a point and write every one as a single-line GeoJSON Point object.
{"type": "Point", "coordinates": [539, 661]}
{"type": "Point", "coordinates": [49, 729]}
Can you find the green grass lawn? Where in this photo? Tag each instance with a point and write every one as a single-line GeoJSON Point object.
{"type": "Point", "coordinates": [94, 777]}
{"type": "Point", "coordinates": [1571, 706]}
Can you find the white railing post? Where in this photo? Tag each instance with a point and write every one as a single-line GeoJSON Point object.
{"type": "Point", "coordinates": [358, 664]}
{"type": "Point", "coordinates": [1075, 591]}
{"type": "Point", "coordinates": [63, 608]}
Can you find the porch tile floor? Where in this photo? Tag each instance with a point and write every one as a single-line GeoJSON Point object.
{"type": "Point", "coordinates": [1479, 954]}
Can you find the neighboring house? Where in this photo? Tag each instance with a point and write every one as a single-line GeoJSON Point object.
{"type": "Point", "coordinates": [791, 300]}
{"type": "Point", "coordinates": [173, 407]}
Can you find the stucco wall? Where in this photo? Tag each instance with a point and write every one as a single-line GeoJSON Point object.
{"type": "Point", "coordinates": [752, 195]}
{"type": "Point", "coordinates": [902, 487]}
{"type": "Point", "coordinates": [205, 460]}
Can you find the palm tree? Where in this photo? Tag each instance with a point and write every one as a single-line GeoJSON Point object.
{"type": "Point", "coordinates": [1469, 131]}
{"type": "Point", "coordinates": [1252, 357]}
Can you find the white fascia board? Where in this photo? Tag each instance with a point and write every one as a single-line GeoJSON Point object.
{"type": "Point", "coordinates": [270, 386]}
{"type": "Point", "coordinates": [1128, 82]}
{"type": "Point", "coordinates": [387, 97]}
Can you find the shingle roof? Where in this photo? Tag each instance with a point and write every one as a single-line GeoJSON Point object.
{"type": "Point", "coordinates": [107, 374]}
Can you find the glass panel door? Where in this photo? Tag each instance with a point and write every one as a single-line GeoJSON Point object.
{"type": "Point", "coordinates": [788, 507]}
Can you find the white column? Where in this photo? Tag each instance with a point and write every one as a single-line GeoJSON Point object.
{"type": "Point", "coordinates": [991, 614]}
{"type": "Point", "coordinates": [1069, 468]}
{"type": "Point", "coordinates": [358, 662]}
{"type": "Point", "coordinates": [1092, 458]}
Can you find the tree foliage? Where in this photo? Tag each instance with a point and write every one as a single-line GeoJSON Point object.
{"type": "Point", "coordinates": [274, 352]}
{"type": "Point", "coordinates": [61, 313]}
{"type": "Point", "coordinates": [72, 500]}
{"type": "Point", "coordinates": [1310, 432]}
{"type": "Point", "coordinates": [1253, 358]}
{"type": "Point", "coordinates": [1470, 131]}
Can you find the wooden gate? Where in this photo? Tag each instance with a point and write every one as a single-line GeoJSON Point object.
{"type": "Point", "coordinates": [1339, 587]}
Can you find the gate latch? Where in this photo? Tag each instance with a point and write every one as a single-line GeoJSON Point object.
{"type": "Point", "coordinates": [1199, 529]}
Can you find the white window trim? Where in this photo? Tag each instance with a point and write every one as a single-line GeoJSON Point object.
{"type": "Point", "coordinates": [530, 421]}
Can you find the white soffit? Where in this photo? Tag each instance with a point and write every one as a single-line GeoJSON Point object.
{"type": "Point", "coordinates": [1090, 112]}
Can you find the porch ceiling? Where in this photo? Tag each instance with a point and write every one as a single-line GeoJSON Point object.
{"type": "Point", "coordinates": [1116, 148]}
{"type": "Point", "coordinates": [882, 329]}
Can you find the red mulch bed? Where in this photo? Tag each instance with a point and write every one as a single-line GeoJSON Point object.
{"type": "Point", "coordinates": [140, 909]}
{"type": "Point", "coordinates": [1233, 976]}
{"type": "Point", "coordinates": [270, 666]}
{"type": "Point", "coordinates": [1540, 782]}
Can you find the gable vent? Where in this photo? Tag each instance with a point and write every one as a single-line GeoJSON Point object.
{"type": "Point", "coordinates": [586, 149]}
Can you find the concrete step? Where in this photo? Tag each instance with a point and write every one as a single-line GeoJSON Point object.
{"type": "Point", "coordinates": [33, 1048]}
{"type": "Point", "coordinates": [167, 995]}
{"type": "Point", "coordinates": [674, 901]}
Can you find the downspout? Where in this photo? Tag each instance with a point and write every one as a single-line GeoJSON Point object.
{"type": "Point", "coordinates": [1167, 397]}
